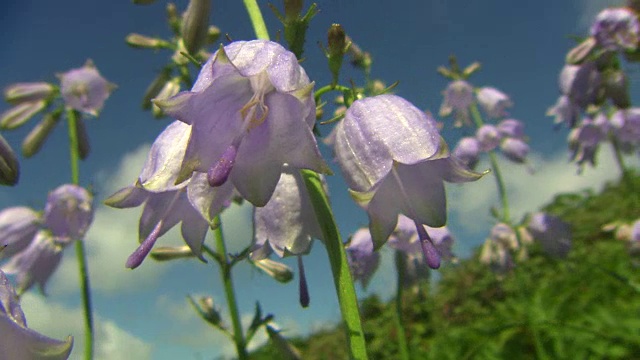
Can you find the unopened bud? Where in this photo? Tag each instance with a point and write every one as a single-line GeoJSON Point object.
{"type": "Point", "coordinates": [173, 18]}
{"type": "Point", "coordinates": [213, 34]}
{"type": "Point", "coordinates": [292, 9]}
{"type": "Point", "coordinates": [144, 42]}
{"type": "Point", "coordinates": [20, 114]}
{"type": "Point", "coordinates": [337, 47]}
{"type": "Point", "coordinates": [36, 137]}
{"type": "Point", "coordinates": [169, 89]}
{"type": "Point", "coordinates": [616, 88]}
{"type": "Point", "coordinates": [204, 305]}
{"type": "Point", "coordinates": [164, 253]}
{"type": "Point", "coordinates": [195, 25]}
{"type": "Point", "coordinates": [83, 139]}
{"type": "Point", "coordinates": [28, 92]}
{"type": "Point", "coordinates": [579, 53]}
{"type": "Point", "coordinates": [9, 167]}
{"type": "Point", "coordinates": [155, 87]}
{"type": "Point", "coordinates": [469, 70]}
{"type": "Point", "coordinates": [280, 272]}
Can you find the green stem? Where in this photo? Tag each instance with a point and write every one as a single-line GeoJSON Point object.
{"type": "Point", "coordinates": [618, 155]}
{"type": "Point", "coordinates": [502, 189]}
{"type": "Point", "coordinates": [225, 273]}
{"type": "Point", "coordinates": [339, 265]}
{"type": "Point", "coordinates": [72, 117]}
{"type": "Point", "coordinates": [257, 21]}
{"type": "Point", "coordinates": [401, 262]}
{"type": "Point", "coordinates": [325, 89]}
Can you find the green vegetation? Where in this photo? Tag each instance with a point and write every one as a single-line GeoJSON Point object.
{"type": "Point", "coordinates": [586, 306]}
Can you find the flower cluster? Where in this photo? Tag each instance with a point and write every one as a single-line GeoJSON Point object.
{"type": "Point", "coordinates": [594, 88]}
{"type": "Point", "coordinates": [34, 241]}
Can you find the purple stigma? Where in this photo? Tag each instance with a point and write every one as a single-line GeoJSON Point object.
{"type": "Point", "coordinates": [143, 250]}
{"type": "Point", "coordinates": [219, 173]}
{"type": "Point", "coordinates": [304, 290]}
{"type": "Point", "coordinates": [431, 254]}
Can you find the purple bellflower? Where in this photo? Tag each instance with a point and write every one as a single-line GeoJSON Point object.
{"type": "Point", "coordinates": [193, 203]}
{"type": "Point", "coordinates": [514, 149]}
{"type": "Point", "coordinates": [18, 341]}
{"type": "Point", "coordinates": [395, 162]}
{"type": "Point", "coordinates": [564, 111]}
{"type": "Point", "coordinates": [84, 89]}
{"type": "Point", "coordinates": [616, 29]}
{"type": "Point", "coordinates": [458, 96]}
{"type": "Point", "coordinates": [468, 151]}
{"type": "Point", "coordinates": [287, 224]}
{"type": "Point", "coordinates": [35, 242]}
{"type": "Point", "coordinates": [580, 83]}
{"type": "Point", "coordinates": [511, 128]}
{"type": "Point", "coordinates": [363, 260]}
{"type": "Point", "coordinates": [252, 110]}
{"type": "Point", "coordinates": [553, 234]}
{"type": "Point", "coordinates": [406, 238]}
{"type": "Point", "coordinates": [488, 136]}
{"type": "Point", "coordinates": [584, 141]}
{"type": "Point", "coordinates": [625, 126]}
{"type": "Point", "coordinates": [494, 102]}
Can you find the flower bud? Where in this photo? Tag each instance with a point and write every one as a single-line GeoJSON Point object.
{"type": "Point", "coordinates": [213, 34]}
{"type": "Point", "coordinates": [144, 42]}
{"type": "Point", "coordinates": [169, 89]}
{"type": "Point", "coordinates": [36, 137]}
{"type": "Point", "coordinates": [279, 271]}
{"type": "Point", "coordinates": [155, 87]}
{"type": "Point", "coordinates": [28, 92]}
{"type": "Point", "coordinates": [579, 53]}
{"type": "Point", "coordinates": [173, 18]}
{"type": "Point", "coordinates": [359, 59]}
{"type": "Point", "coordinates": [165, 253]}
{"type": "Point", "coordinates": [292, 9]}
{"type": "Point", "coordinates": [336, 39]}
{"type": "Point", "coordinates": [616, 87]}
{"type": "Point", "coordinates": [469, 70]}
{"type": "Point", "coordinates": [20, 114]}
{"type": "Point", "coordinates": [205, 307]}
{"type": "Point", "coordinates": [195, 25]}
{"type": "Point", "coordinates": [9, 167]}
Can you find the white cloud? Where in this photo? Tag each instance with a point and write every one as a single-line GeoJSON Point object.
{"type": "Point", "coordinates": [588, 9]}
{"type": "Point", "coordinates": [527, 191]}
{"type": "Point", "coordinates": [57, 321]}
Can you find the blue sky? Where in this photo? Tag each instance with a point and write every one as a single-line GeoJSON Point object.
{"type": "Point", "coordinates": [143, 313]}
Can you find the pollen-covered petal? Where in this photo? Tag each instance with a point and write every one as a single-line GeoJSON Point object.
{"type": "Point", "coordinates": [379, 130]}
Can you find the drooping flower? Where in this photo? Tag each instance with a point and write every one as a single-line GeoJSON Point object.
{"type": "Point", "coordinates": [514, 149]}
{"type": "Point", "coordinates": [616, 29]}
{"type": "Point", "coordinates": [18, 341]}
{"type": "Point", "coordinates": [584, 141]}
{"type": "Point", "coordinates": [468, 151]}
{"type": "Point", "coordinates": [252, 111]}
{"type": "Point", "coordinates": [35, 242]}
{"type": "Point", "coordinates": [287, 224]}
{"type": "Point", "coordinates": [511, 128]}
{"type": "Point", "coordinates": [580, 83]}
{"type": "Point", "coordinates": [363, 260]}
{"type": "Point", "coordinates": [625, 125]}
{"type": "Point", "coordinates": [564, 111]}
{"type": "Point", "coordinates": [488, 136]}
{"type": "Point", "coordinates": [496, 255]}
{"type": "Point", "coordinates": [458, 96]}
{"type": "Point", "coordinates": [84, 89]}
{"type": "Point", "coordinates": [193, 203]}
{"type": "Point", "coordinates": [553, 234]}
{"type": "Point", "coordinates": [407, 239]}
{"type": "Point", "coordinates": [494, 102]}
{"type": "Point", "coordinates": [18, 226]}
{"type": "Point", "coordinates": [395, 162]}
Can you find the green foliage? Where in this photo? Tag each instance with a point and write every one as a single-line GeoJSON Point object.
{"type": "Point", "coordinates": [586, 306]}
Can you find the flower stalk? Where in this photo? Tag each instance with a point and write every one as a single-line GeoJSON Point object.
{"type": "Point", "coordinates": [85, 287]}
{"type": "Point", "coordinates": [402, 337]}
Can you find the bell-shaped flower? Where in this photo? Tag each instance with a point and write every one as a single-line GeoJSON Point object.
{"type": "Point", "coordinates": [488, 136]}
{"type": "Point", "coordinates": [584, 141]}
{"type": "Point", "coordinates": [616, 29]}
{"type": "Point", "coordinates": [407, 239]}
{"type": "Point", "coordinates": [18, 226]}
{"type": "Point", "coordinates": [18, 341]}
{"type": "Point", "coordinates": [494, 102]}
{"type": "Point", "coordinates": [511, 128]}
{"type": "Point", "coordinates": [363, 260]}
{"type": "Point", "coordinates": [580, 83]}
{"type": "Point", "coordinates": [514, 149]}
{"type": "Point", "coordinates": [68, 212]}
{"type": "Point", "coordinates": [625, 126]}
{"type": "Point", "coordinates": [287, 224]}
{"type": "Point", "coordinates": [84, 89]}
{"type": "Point", "coordinates": [468, 151]}
{"type": "Point", "coordinates": [36, 263]}
{"type": "Point", "coordinates": [458, 96]}
{"type": "Point", "coordinates": [505, 235]}
{"type": "Point", "coordinates": [553, 234]}
{"type": "Point", "coordinates": [252, 111]}
{"type": "Point", "coordinates": [395, 162]}
{"type": "Point", "coordinates": [496, 255]}
{"type": "Point", "coordinates": [564, 111]}
{"type": "Point", "coordinates": [192, 203]}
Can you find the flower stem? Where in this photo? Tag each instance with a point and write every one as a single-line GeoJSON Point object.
{"type": "Point", "coordinates": [402, 337]}
{"type": "Point", "coordinates": [257, 21]}
{"type": "Point", "coordinates": [225, 273]}
{"type": "Point", "coordinates": [618, 155]}
{"type": "Point", "coordinates": [72, 117]}
{"type": "Point", "coordinates": [502, 189]}
{"type": "Point", "coordinates": [339, 266]}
